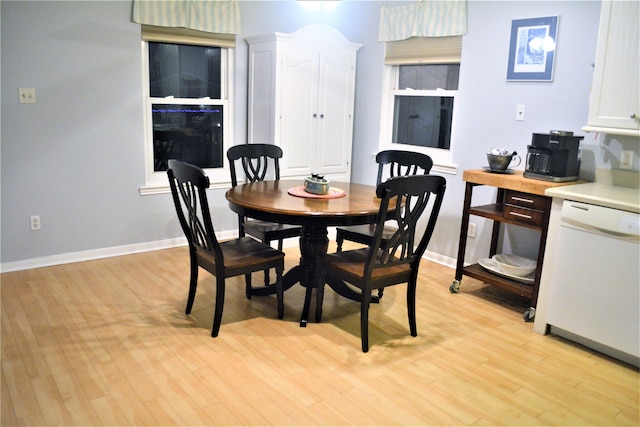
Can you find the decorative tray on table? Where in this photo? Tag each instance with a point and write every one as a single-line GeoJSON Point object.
{"type": "Point", "coordinates": [333, 193]}
{"type": "Point", "coordinates": [316, 187]}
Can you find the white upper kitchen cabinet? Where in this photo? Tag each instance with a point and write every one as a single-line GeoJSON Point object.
{"type": "Point", "coordinates": [614, 106]}
{"type": "Point", "coordinates": [301, 97]}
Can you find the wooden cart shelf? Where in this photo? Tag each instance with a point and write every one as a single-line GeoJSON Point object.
{"type": "Point", "coordinates": [520, 201]}
{"type": "Point", "coordinates": [477, 272]}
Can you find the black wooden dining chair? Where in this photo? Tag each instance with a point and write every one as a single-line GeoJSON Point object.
{"type": "Point", "coordinates": [255, 160]}
{"type": "Point", "coordinates": [394, 260]}
{"type": "Point", "coordinates": [391, 163]}
{"type": "Point", "coordinates": [222, 259]}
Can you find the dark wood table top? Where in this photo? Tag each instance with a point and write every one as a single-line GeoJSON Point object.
{"type": "Point", "coordinates": [270, 201]}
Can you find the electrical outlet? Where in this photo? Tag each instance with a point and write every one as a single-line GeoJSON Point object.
{"type": "Point", "coordinates": [471, 232]}
{"type": "Point", "coordinates": [27, 95]}
{"type": "Point", "coordinates": [35, 222]}
{"type": "Point", "coordinates": [626, 159]}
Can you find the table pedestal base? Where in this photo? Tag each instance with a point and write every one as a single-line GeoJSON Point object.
{"type": "Point", "coordinates": [313, 246]}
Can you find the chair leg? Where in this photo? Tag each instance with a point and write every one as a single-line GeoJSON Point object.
{"type": "Point", "coordinates": [247, 290]}
{"type": "Point", "coordinates": [193, 284]}
{"type": "Point", "coordinates": [411, 307]}
{"type": "Point", "coordinates": [266, 272]}
{"type": "Point", "coordinates": [217, 315]}
{"type": "Point", "coordinates": [280, 292]}
{"type": "Point", "coordinates": [339, 240]}
{"type": "Point", "coordinates": [305, 309]}
{"type": "Point", "coordinates": [380, 293]}
{"type": "Point", "coordinates": [319, 299]}
{"type": "Point", "coordinates": [364, 319]}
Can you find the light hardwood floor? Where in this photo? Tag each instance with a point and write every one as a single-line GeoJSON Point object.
{"type": "Point", "coordinates": [107, 342]}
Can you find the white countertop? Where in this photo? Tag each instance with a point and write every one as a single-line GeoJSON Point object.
{"type": "Point", "coordinates": [607, 195]}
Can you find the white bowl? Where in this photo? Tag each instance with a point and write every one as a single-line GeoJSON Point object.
{"type": "Point", "coordinates": [515, 265]}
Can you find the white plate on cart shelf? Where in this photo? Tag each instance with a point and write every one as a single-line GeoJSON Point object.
{"type": "Point", "coordinates": [515, 264]}
{"type": "Point", "coordinates": [489, 264]}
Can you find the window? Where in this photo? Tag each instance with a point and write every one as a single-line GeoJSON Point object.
{"type": "Point", "coordinates": [421, 77]}
{"type": "Point", "coordinates": [423, 105]}
{"type": "Point", "coordinates": [187, 111]}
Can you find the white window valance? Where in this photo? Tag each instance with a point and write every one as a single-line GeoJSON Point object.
{"type": "Point", "coordinates": [211, 16]}
{"type": "Point", "coordinates": [423, 19]}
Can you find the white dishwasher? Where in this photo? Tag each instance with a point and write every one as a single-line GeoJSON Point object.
{"type": "Point", "coordinates": [594, 298]}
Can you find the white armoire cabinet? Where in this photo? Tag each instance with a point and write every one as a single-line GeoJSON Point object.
{"type": "Point", "coordinates": [301, 97]}
{"type": "Point", "coordinates": [614, 105]}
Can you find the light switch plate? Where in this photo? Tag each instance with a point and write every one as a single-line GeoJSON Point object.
{"type": "Point", "coordinates": [520, 113]}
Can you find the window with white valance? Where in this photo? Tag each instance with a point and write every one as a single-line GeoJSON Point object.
{"type": "Point", "coordinates": [211, 16]}
{"type": "Point", "coordinates": [423, 44]}
{"type": "Point", "coordinates": [187, 49]}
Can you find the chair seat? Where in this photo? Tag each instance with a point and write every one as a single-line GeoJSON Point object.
{"type": "Point", "coordinates": [363, 233]}
{"type": "Point", "coordinates": [243, 255]}
{"type": "Point", "coordinates": [246, 251]}
{"type": "Point", "coordinates": [349, 266]}
{"type": "Point", "coordinates": [260, 229]}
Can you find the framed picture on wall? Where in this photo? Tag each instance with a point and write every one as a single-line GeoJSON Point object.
{"type": "Point", "coordinates": [532, 49]}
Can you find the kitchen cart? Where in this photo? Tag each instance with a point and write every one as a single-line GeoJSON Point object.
{"type": "Point", "coordinates": [520, 201]}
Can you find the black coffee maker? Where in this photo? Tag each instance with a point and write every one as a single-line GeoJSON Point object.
{"type": "Point", "coordinates": [554, 156]}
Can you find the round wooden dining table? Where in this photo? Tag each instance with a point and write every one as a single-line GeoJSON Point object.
{"type": "Point", "coordinates": [283, 201]}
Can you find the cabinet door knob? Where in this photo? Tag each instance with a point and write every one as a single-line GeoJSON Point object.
{"type": "Point", "coordinates": [322, 116]}
{"type": "Point", "coordinates": [315, 115]}
{"type": "Point", "coordinates": [634, 116]}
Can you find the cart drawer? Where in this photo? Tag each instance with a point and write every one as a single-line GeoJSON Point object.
{"type": "Point", "coordinates": [522, 215]}
{"type": "Point", "coordinates": [526, 200]}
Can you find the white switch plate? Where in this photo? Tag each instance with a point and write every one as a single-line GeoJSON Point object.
{"type": "Point", "coordinates": [27, 95]}
{"type": "Point", "coordinates": [520, 112]}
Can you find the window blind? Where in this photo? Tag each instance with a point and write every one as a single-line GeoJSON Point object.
{"type": "Point", "coordinates": [424, 50]}
{"type": "Point", "coordinates": [152, 33]}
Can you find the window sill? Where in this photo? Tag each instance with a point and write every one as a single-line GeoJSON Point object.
{"type": "Point", "coordinates": [148, 190]}
{"type": "Point", "coordinates": [450, 169]}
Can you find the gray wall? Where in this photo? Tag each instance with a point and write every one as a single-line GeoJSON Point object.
{"type": "Point", "coordinates": [76, 157]}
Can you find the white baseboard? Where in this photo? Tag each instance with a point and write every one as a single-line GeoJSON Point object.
{"type": "Point", "coordinates": [92, 254]}
{"type": "Point", "coordinates": [440, 259]}
{"type": "Point", "coordinates": [154, 246]}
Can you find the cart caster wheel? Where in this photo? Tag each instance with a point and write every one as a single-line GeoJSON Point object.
{"type": "Point", "coordinates": [529, 314]}
{"type": "Point", "coordinates": [455, 287]}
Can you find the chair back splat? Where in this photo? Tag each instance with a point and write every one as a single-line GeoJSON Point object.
{"type": "Point", "coordinates": [402, 163]}
{"type": "Point", "coordinates": [188, 187]}
{"type": "Point", "coordinates": [240, 256]}
{"type": "Point", "coordinates": [254, 159]}
{"type": "Point", "coordinates": [394, 259]}
{"type": "Point", "coordinates": [391, 164]}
